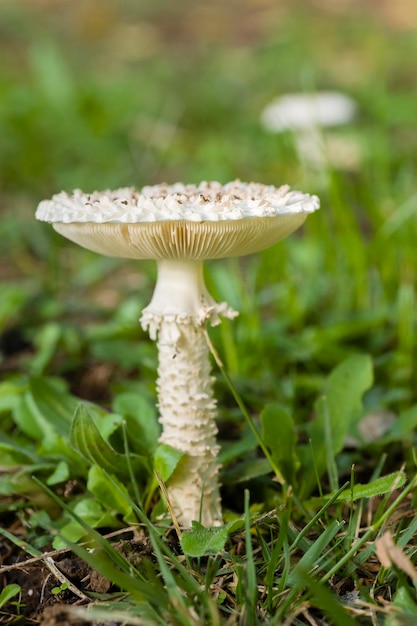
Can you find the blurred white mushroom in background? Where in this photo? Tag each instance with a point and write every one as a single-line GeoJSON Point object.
{"type": "Point", "coordinates": [306, 116]}
{"type": "Point", "coordinates": [371, 428]}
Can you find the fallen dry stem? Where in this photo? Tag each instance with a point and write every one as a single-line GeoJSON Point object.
{"type": "Point", "coordinates": [50, 564]}
{"type": "Point", "coordinates": [54, 553]}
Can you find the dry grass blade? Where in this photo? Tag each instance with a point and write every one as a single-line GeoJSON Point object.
{"type": "Point", "coordinates": [164, 492]}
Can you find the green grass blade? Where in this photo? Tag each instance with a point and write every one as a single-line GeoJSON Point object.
{"type": "Point", "coordinates": [251, 593]}
{"type": "Point", "coordinates": [314, 554]}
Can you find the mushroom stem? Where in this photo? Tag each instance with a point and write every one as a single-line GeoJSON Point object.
{"type": "Point", "coordinates": [176, 317]}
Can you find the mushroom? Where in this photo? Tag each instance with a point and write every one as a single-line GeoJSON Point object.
{"type": "Point", "coordinates": [306, 115]}
{"type": "Point", "coordinates": [179, 226]}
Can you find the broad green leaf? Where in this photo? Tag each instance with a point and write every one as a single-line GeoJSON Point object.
{"type": "Point", "coordinates": [202, 541]}
{"type": "Point", "coordinates": [166, 460]}
{"type": "Point", "coordinates": [59, 446]}
{"type": "Point", "coordinates": [111, 499]}
{"type": "Point", "coordinates": [403, 426]}
{"type": "Point", "coordinates": [12, 453]}
{"type": "Point", "coordinates": [234, 450]}
{"type": "Point", "coordinates": [16, 483]}
{"type": "Point", "coordinates": [247, 470]}
{"type": "Point", "coordinates": [53, 402]}
{"type": "Point", "coordinates": [46, 340]}
{"type": "Point", "coordinates": [31, 421]}
{"type": "Point", "coordinates": [343, 391]}
{"type": "Point", "coordinates": [86, 438]}
{"type": "Point", "coordinates": [140, 414]}
{"type": "Point", "coordinates": [14, 296]}
{"type": "Point", "coordinates": [278, 433]}
{"type": "Point", "coordinates": [122, 351]}
{"type": "Point", "coordinates": [60, 474]}
{"type": "Point", "coordinates": [45, 409]}
{"type": "Point", "coordinates": [9, 592]}
{"type": "Point", "coordinates": [404, 609]}
{"type": "Point", "coordinates": [377, 487]}
{"type": "Point", "coordinates": [57, 407]}
{"type": "Point", "coordinates": [10, 394]}
{"type": "Point", "coordinates": [107, 423]}
{"type": "Point", "coordinates": [93, 514]}
{"type": "Point", "coordinates": [53, 438]}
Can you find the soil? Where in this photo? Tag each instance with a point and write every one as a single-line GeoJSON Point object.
{"type": "Point", "coordinates": [41, 602]}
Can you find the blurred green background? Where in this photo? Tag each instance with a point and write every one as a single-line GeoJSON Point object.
{"type": "Point", "coordinates": [97, 95]}
{"type": "Point", "coordinates": [105, 94]}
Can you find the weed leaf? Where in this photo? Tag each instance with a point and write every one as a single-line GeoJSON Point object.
{"type": "Point", "coordinates": [278, 433]}
{"type": "Point", "coordinates": [86, 438]}
{"type": "Point", "coordinates": [377, 487]}
{"type": "Point", "coordinates": [343, 391]}
{"type": "Point", "coordinates": [404, 609]}
{"type": "Point", "coordinates": [166, 460]}
{"type": "Point", "coordinates": [56, 407]}
{"type": "Point", "coordinates": [8, 593]}
{"type": "Point", "coordinates": [202, 541]}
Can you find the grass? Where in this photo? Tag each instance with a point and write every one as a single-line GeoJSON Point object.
{"type": "Point", "coordinates": [322, 355]}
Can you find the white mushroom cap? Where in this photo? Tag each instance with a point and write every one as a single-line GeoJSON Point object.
{"type": "Point", "coordinates": [179, 221]}
{"type": "Point", "coordinates": [298, 111]}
